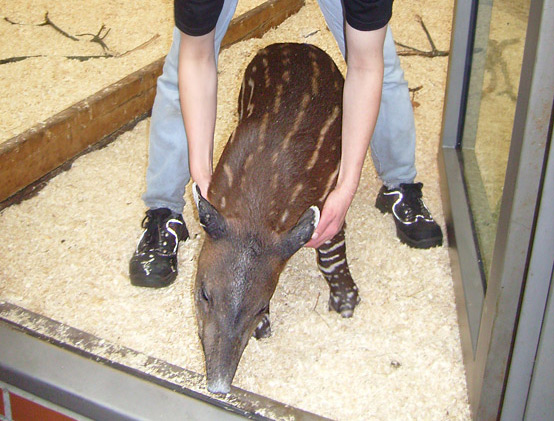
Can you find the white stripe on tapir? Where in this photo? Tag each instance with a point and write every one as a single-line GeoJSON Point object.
{"type": "Point", "coordinates": [332, 268]}
{"type": "Point", "coordinates": [263, 130]}
{"type": "Point", "coordinates": [297, 121]}
{"type": "Point", "coordinates": [274, 182]}
{"type": "Point", "coordinates": [248, 161]}
{"type": "Point", "coordinates": [330, 120]}
{"type": "Point", "coordinates": [297, 189]}
{"type": "Point", "coordinates": [275, 158]}
{"type": "Point", "coordinates": [284, 217]}
{"type": "Point", "coordinates": [278, 96]}
{"type": "Point", "coordinates": [242, 87]}
{"type": "Point", "coordinates": [266, 75]}
{"type": "Point", "coordinates": [263, 127]}
{"type": "Point", "coordinates": [229, 174]}
{"type": "Point", "coordinates": [330, 182]}
{"type": "Point", "coordinates": [233, 136]}
{"type": "Point", "coordinates": [250, 107]}
{"type": "Point", "coordinates": [329, 258]}
{"type": "Point", "coordinates": [315, 78]}
{"type": "Point", "coordinates": [332, 248]}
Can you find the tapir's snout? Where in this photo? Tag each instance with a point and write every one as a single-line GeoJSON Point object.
{"type": "Point", "coordinates": [222, 352]}
{"type": "Point", "coordinates": [220, 373]}
{"type": "Point", "coordinates": [219, 384]}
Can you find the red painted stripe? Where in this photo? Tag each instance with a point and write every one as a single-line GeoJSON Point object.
{"type": "Point", "coordinates": [26, 410]}
{"type": "Point", "coordinates": [2, 409]}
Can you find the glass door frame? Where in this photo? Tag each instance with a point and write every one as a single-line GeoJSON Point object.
{"type": "Point", "coordinates": [489, 309]}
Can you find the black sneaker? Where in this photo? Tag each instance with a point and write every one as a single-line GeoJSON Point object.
{"type": "Point", "coordinates": [414, 224]}
{"type": "Point", "coordinates": [154, 263]}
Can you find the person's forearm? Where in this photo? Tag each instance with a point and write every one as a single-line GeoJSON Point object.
{"type": "Point", "coordinates": [198, 97]}
{"type": "Point", "coordinates": [361, 99]}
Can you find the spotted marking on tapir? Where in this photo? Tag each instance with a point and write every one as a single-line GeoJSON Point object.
{"type": "Point", "coordinates": [299, 119]}
{"type": "Point", "coordinates": [321, 138]}
{"type": "Point", "coordinates": [278, 95]}
{"type": "Point", "coordinates": [270, 183]}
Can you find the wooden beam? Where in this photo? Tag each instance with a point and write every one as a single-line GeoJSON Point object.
{"type": "Point", "coordinates": [41, 149]}
{"type": "Point", "coordinates": [256, 22]}
{"type": "Point", "coordinates": [33, 154]}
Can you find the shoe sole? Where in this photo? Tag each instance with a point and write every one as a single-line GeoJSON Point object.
{"type": "Point", "coordinates": [154, 283]}
{"type": "Point", "coordinates": [426, 243]}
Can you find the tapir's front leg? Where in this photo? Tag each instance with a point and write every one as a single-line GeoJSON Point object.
{"type": "Point", "coordinates": [331, 260]}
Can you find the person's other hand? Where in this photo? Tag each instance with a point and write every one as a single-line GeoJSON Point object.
{"type": "Point", "coordinates": [332, 217]}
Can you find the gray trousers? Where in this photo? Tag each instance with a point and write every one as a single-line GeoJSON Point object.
{"type": "Point", "coordinates": [392, 146]}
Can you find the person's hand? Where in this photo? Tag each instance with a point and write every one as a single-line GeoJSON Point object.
{"type": "Point", "coordinates": [203, 183]}
{"type": "Point", "coordinates": [332, 217]}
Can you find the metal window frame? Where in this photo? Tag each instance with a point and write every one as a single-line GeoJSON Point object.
{"type": "Point", "coordinates": [488, 336]}
{"type": "Point", "coordinates": [530, 382]}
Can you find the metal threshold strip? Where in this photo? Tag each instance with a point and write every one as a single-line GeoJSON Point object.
{"type": "Point", "coordinates": [103, 380]}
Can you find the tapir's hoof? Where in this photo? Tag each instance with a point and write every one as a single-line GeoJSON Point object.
{"type": "Point", "coordinates": [263, 330]}
{"type": "Point", "coordinates": [344, 302]}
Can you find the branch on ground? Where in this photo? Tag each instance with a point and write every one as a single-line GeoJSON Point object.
{"type": "Point", "coordinates": [413, 91]}
{"type": "Point", "coordinates": [47, 22]}
{"type": "Point", "coordinates": [411, 51]}
{"type": "Point", "coordinates": [97, 38]}
{"type": "Point", "coordinates": [16, 59]}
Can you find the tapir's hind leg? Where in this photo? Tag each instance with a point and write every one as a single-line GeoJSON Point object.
{"type": "Point", "coordinates": [331, 260]}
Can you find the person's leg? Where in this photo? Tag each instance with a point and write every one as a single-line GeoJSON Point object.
{"type": "Point", "coordinates": [154, 262]}
{"type": "Point", "coordinates": [168, 171]}
{"type": "Point", "coordinates": [334, 17]}
{"type": "Point", "coordinates": [393, 153]}
{"type": "Point", "coordinates": [168, 167]}
{"type": "Point", "coordinates": [393, 144]}
{"type": "Point", "coordinates": [393, 141]}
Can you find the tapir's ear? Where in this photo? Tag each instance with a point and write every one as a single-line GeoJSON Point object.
{"type": "Point", "coordinates": [211, 220]}
{"type": "Point", "coordinates": [301, 233]}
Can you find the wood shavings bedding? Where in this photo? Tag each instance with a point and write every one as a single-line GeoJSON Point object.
{"type": "Point", "coordinates": [399, 357]}
{"type": "Point", "coordinates": [39, 87]}
{"type": "Point", "coordinates": [244, 6]}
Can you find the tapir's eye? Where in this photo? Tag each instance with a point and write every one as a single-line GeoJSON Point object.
{"type": "Point", "coordinates": [204, 295]}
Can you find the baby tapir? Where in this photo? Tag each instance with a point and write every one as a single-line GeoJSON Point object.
{"type": "Point", "coordinates": [263, 202]}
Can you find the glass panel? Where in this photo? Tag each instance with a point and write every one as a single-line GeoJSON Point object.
{"type": "Point", "coordinates": [496, 64]}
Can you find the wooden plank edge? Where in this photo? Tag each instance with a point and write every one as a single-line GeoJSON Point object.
{"type": "Point", "coordinates": [48, 145]}
{"type": "Point", "coordinates": [256, 22]}
{"type": "Point", "coordinates": [27, 159]}
{"type": "Point", "coordinates": [35, 187]}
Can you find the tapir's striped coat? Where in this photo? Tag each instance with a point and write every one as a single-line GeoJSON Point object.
{"type": "Point", "coordinates": [276, 171]}
{"type": "Point", "coordinates": [284, 155]}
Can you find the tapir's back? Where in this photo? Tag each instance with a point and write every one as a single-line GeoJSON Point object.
{"type": "Point", "coordinates": [283, 156]}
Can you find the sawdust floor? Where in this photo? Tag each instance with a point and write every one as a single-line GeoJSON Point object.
{"type": "Point", "coordinates": [64, 254]}
{"type": "Point", "coordinates": [45, 77]}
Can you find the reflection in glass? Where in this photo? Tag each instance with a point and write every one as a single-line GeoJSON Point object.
{"type": "Point", "coordinates": [496, 64]}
